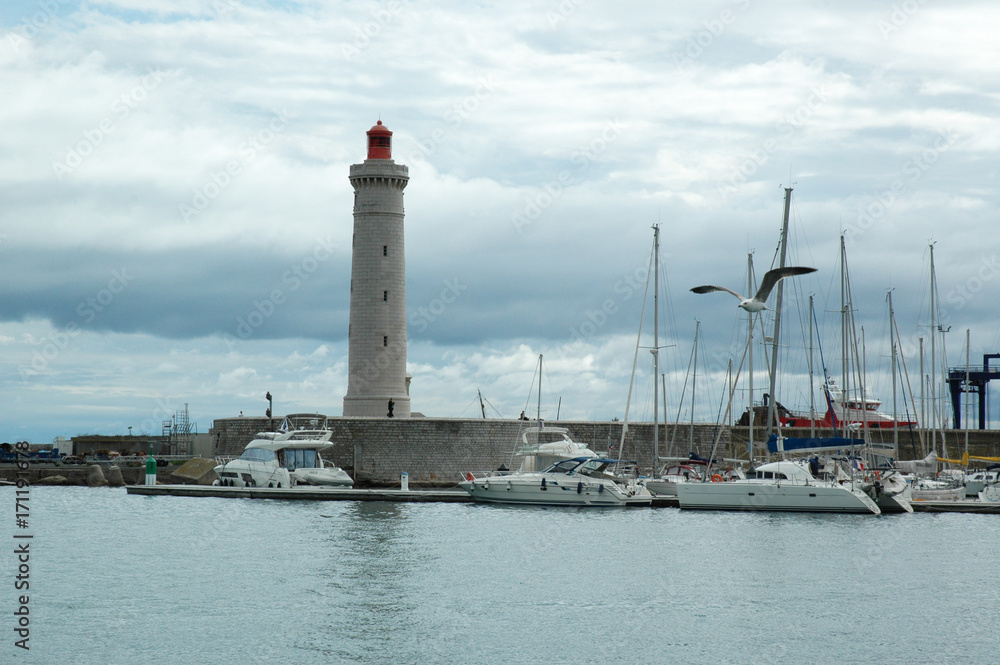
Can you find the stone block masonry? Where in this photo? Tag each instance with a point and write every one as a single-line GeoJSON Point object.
{"type": "Point", "coordinates": [439, 451]}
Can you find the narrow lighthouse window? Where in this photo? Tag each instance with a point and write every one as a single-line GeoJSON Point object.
{"type": "Point", "coordinates": [385, 340]}
{"type": "Point", "coordinates": [385, 296]}
{"type": "Point", "coordinates": [385, 250]}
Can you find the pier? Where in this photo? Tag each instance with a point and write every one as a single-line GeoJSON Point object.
{"type": "Point", "coordinates": [327, 494]}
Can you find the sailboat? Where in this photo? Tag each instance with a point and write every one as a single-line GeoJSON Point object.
{"type": "Point", "coordinates": [781, 485]}
{"type": "Point", "coordinates": [857, 460]}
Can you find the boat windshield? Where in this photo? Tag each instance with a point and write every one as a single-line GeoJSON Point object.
{"type": "Point", "coordinates": [565, 466]}
{"type": "Point", "coordinates": [300, 458]}
{"type": "Point", "coordinates": [257, 455]}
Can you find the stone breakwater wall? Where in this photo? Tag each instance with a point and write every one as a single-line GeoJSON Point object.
{"type": "Point", "coordinates": [439, 451]}
{"type": "Point", "coordinates": [76, 474]}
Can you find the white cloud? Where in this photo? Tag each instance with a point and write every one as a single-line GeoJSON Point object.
{"type": "Point", "coordinates": [593, 122]}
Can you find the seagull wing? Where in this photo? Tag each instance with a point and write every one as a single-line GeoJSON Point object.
{"type": "Point", "coordinates": [771, 278]}
{"type": "Point", "coordinates": [713, 289]}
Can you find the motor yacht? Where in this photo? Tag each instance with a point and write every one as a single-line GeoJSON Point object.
{"type": "Point", "coordinates": [541, 447]}
{"type": "Point", "coordinates": [286, 458]}
{"type": "Point", "coordinates": [579, 481]}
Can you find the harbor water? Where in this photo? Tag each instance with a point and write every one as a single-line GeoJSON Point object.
{"type": "Point", "coordinates": [127, 579]}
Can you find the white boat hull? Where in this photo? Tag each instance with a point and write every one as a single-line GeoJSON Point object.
{"type": "Point", "coordinates": [774, 496]}
{"type": "Point", "coordinates": [527, 489]}
{"type": "Point", "coordinates": [327, 477]}
{"type": "Point", "coordinates": [662, 487]}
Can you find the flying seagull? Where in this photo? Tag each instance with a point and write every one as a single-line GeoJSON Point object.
{"type": "Point", "coordinates": [771, 278]}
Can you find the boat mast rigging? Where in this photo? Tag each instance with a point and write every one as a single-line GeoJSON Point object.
{"type": "Point", "coordinates": [777, 315]}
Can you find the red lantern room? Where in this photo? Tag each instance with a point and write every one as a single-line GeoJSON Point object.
{"type": "Point", "coordinates": [379, 142]}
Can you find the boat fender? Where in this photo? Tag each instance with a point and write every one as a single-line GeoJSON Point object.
{"type": "Point", "coordinates": [270, 484]}
{"type": "Point", "coordinates": [469, 476]}
{"type": "Point", "coordinates": [579, 487]}
{"type": "Point", "coordinates": [544, 488]}
{"type": "Point", "coordinates": [279, 486]}
{"type": "Point", "coordinates": [716, 478]}
{"type": "Point", "coordinates": [486, 485]}
{"type": "Point", "coordinates": [600, 488]}
{"type": "Point", "coordinates": [508, 485]}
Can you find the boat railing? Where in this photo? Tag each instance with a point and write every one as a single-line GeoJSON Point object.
{"type": "Point", "coordinates": [138, 459]}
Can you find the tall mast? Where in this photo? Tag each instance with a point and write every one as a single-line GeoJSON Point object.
{"type": "Point", "coordinates": [539, 407]}
{"type": "Point", "coordinates": [694, 379]}
{"type": "Point", "coordinates": [923, 400]}
{"type": "Point", "coordinates": [966, 391]}
{"type": "Point", "coordinates": [656, 341]}
{"type": "Point", "coordinates": [892, 341]}
{"type": "Point", "coordinates": [750, 353]}
{"type": "Point", "coordinates": [777, 315]}
{"type": "Point", "coordinates": [812, 395]}
{"type": "Point", "coordinates": [933, 362]}
{"type": "Point", "coordinates": [844, 386]}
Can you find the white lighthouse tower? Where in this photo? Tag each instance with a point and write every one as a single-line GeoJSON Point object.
{"type": "Point", "coordinates": [377, 332]}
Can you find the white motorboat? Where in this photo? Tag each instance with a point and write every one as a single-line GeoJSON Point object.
{"type": "Point", "coordinates": [541, 447]}
{"type": "Point", "coordinates": [579, 481]}
{"type": "Point", "coordinates": [286, 458]}
{"type": "Point", "coordinates": [777, 486]}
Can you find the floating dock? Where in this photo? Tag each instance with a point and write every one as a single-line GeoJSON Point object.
{"type": "Point", "coordinates": [967, 506]}
{"type": "Point", "coordinates": [303, 494]}
{"type": "Point", "coordinates": [447, 496]}
{"type": "Point", "coordinates": [327, 494]}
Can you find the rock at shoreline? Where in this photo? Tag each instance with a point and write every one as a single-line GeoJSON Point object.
{"type": "Point", "coordinates": [52, 480]}
{"type": "Point", "coordinates": [115, 477]}
{"type": "Point", "coordinates": [95, 477]}
{"type": "Point", "coordinates": [197, 471]}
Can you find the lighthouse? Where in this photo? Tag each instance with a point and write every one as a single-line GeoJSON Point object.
{"type": "Point", "coordinates": [377, 382]}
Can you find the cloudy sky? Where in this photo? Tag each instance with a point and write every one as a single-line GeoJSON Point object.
{"type": "Point", "coordinates": [167, 165]}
